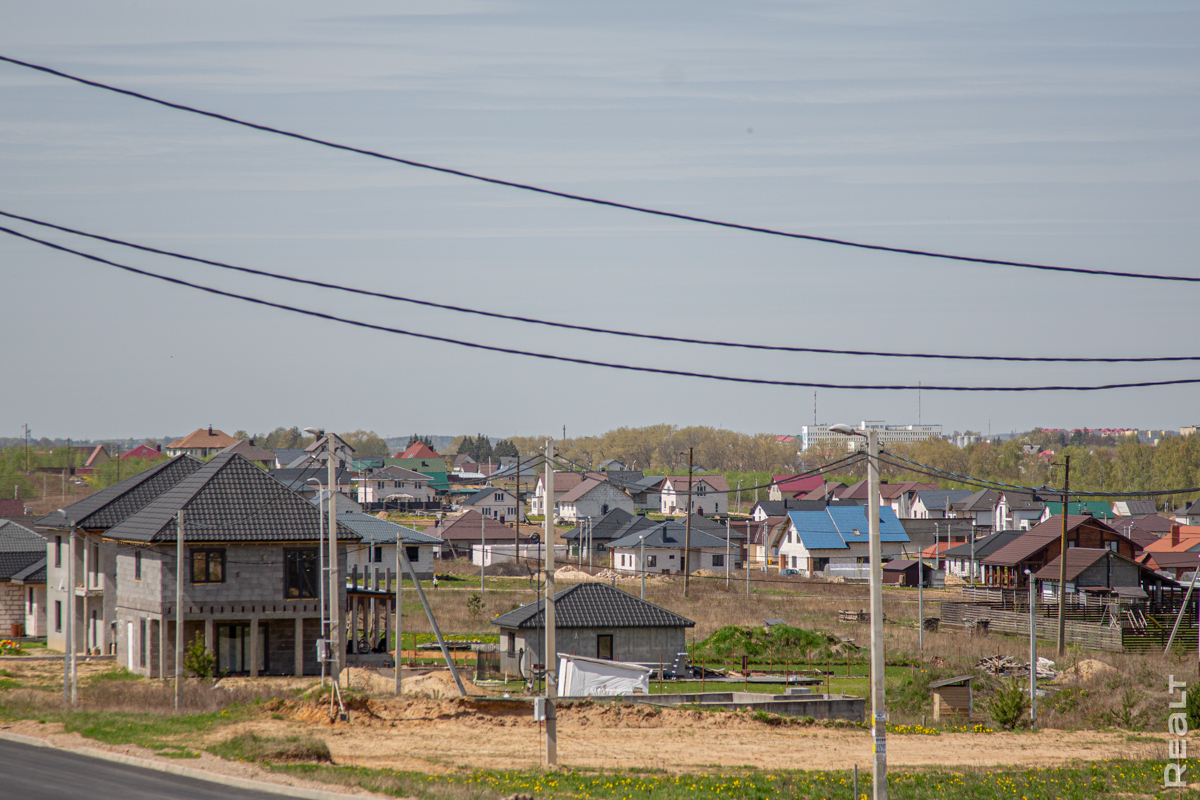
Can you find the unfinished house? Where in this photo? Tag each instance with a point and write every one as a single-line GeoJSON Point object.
{"type": "Point", "coordinates": [250, 573]}
{"type": "Point", "coordinates": [22, 555]}
{"type": "Point", "coordinates": [93, 597]}
{"type": "Point", "coordinates": [593, 620]}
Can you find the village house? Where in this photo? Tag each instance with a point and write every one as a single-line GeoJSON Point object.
{"type": "Point", "coordinates": [22, 599]}
{"type": "Point", "coordinates": [201, 443]}
{"type": "Point", "coordinates": [1100, 571]}
{"type": "Point", "coordinates": [1017, 511]}
{"type": "Point", "coordinates": [958, 558]}
{"type": "Point", "coordinates": [493, 502]}
{"type": "Point", "coordinates": [593, 620]}
{"type": "Point", "coordinates": [1095, 508]}
{"type": "Point", "coordinates": [394, 484]}
{"type": "Point", "coordinates": [376, 549]}
{"type": "Point", "coordinates": [936, 503]}
{"type": "Point", "coordinates": [664, 549]}
{"type": "Point", "coordinates": [1040, 545]}
{"type": "Point", "coordinates": [143, 451]}
{"type": "Point", "coordinates": [251, 574]}
{"type": "Point", "coordinates": [599, 531]}
{"type": "Point", "coordinates": [563, 483]}
{"type": "Point", "coordinates": [252, 453]}
{"type": "Point", "coordinates": [464, 531]}
{"type": "Point", "coordinates": [979, 507]}
{"type": "Point", "coordinates": [837, 537]}
{"type": "Point", "coordinates": [646, 493]}
{"type": "Point", "coordinates": [93, 598]}
{"type": "Point", "coordinates": [709, 495]}
{"type": "Point", "coordinates": [765, 509]}
{"type": "Point", "coordinates": [792, 487]}
{"type": "Point", "coordinates": [593, 498]}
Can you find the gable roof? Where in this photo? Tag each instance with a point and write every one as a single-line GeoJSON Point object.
{"type": "Point", "coordinates": [1038, 537]}
{"type": "Point", "coordinates": [798, 484]}
{"type": "Point", "coordinates": [581, 489]}
{"type": "Point", "coordinates": [203, 438]}
{"type": "Point", "coordinates": [296, 478]}
{"type": "Point", "coordinates": [483, 494]}
{"type": "Point", "coordinates": [466, 527]}
{"type": "Point", "coordinates": [940, 499]}
{"type": "Point", "coordinates": [1021, 501]}
{"type": "Point", "coordinates": [35, 573]}
{"type": "Point", "coordinates": [1097, 508]}
{"type": "Point", "coordinates": [680, 483]}
{"type": "Point", "coordinates": [419, 450]}
{"type": "Point", "coordinates": [247, 449]}
{"type": "Point", "coordinates": [1188, 539]}
{"type": "Point", "coordinates": [1078, 560]}
{"type": "Point", "coordinates": [668, 535]}
{"type": "Point", "coordinates": [986, 545]}
{"type": "Point", "coordinates": [289, 456]}
{"type": "Point", "coordinates": [227, 500]}
{"type": "Point", "coordinates": [1134, 508]}
{"type": "Point", "coordinates": [111, 506]}
{"type": "Point", "coordinates": [1173, 560]}
{"type": "Point", "coordinates": [593, 605]}
{"type": "Point", "coordinates": [400, 473]}
{"type": "Point", "coordinates": [779, 508]}
{"type": "Point", "coordinates": [19, 548]}
{"type": "Point", "coordinates": [837, 527]}
{"type": "Point", "coordinates": [982, 500]}
{"type": "Point", "coordinates": [374, 530]}
{"type": "Point", "coordinates": [143, 451]}
{"type": "Point", "coordinates": [613, 525]}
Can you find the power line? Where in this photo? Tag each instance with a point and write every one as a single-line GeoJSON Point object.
{"type": "Point", "coordinates": [591, 200]}
{"type": "Point", "coordinates": [590, 362]}
{"type": "Point", "coordinates": [589, 328]}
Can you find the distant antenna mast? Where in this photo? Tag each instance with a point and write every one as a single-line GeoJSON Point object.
{"type": "Point", "coordinates": [918, 402]}
{"type": "Point", "coordinates": [564, 432]}
{"type": "Point", "coordinates": [814, 408]}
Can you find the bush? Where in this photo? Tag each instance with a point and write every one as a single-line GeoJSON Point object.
{"type": "Point", "coordinates": [199, 660]}
{"type": "Point", "coordinates": [475, 605]}
{"type": "Point", "coordinates": [1010, 704]}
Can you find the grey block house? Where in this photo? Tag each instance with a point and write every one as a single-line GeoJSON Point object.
{"type": "Point", "coordinates": [251, 573]}
{"type": "Point", "coordinates": [593, 620]}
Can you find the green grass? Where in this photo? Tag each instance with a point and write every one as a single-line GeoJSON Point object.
{"type": "Point", "coordinates": [1103, 778]}
{"type": "Point", "coordinates": [249, 747]}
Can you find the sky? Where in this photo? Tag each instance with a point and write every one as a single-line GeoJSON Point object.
{"type": "Point", "coordinates": [1058, 133]}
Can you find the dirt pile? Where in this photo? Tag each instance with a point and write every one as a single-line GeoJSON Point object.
{"type": "Point", "coordinates": [1089, 670]}
{"type": "Point", "coordinates": [573, 575]}
{"type": "Point", "coordinates": [438, 684]}
{"type": "Point", "coordinates": [365, 680]}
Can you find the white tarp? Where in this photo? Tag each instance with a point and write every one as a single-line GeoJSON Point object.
{"type": "Point", "coordinates": [583, 677]}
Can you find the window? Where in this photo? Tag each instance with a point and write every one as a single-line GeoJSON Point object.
{"type": "Point", "coordinates": [701, 489]}
{"type": "Point", "coordinates": [58, 616]}
{"type": "Point", "coordinates": [58, 551]}
{"type": "Point", "coordinates": [718, 560]}
{"type": "Point", "coordinates": [142, 643]}
{"type": "Point", "coordinates": [672, 557]}
{"type": "Point", "coordinates": [208, 566]}
{"type": "Point", "coordinates": [30, 599]}
{"type": "Point", "coordinates": [413, 553]}
{"type": "Point", "coordinates": [604, 646]}
{"type": "Point", "coordinates": [137, 565]}
{"type": "Point", "coordinates": [651, 561]}
{"type": "Point", "coordinates": [300, 573]}
{"type": "Point", "coordinates": [378, 559]}
{"type": "Point", "coordinates": [511, 640]}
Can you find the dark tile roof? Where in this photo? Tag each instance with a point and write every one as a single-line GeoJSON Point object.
{"type": "Point", "coordinates": [608, 526]}
{"type": "Point", "coordinates": [779, 508]}
{"type": "Point", "coordinates": [594, 605]}
{"type": "Point", "coordinates": [228, 499]}
{"type": "Point", "coordinates": [297, 478]}
{"type": "Point", "coordinates": [35, 573]}
{"type": "Point", "coordinates": [465, 527]}
{"type": "Point", "coordinates": [669, 535]}
{"type": "Point", "coordinates": [941, 499]}
{"type": "Point", "coordinates": [109, 507]}
{"type": "Point", "coordinates": [374, 530]}
{"type": "Point", "coordinates": [983, 500]}
{"type": "Point", "coordinates": [984, 545]}
{"type": "Point", "coordinates": [19, 548]}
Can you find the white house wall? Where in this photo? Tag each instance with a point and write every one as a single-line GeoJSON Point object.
{"type": "Point", "coordinates": [596, 503]}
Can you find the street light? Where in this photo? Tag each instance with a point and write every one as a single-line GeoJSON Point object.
{"type": "Point", "coordinates": [879, 790]}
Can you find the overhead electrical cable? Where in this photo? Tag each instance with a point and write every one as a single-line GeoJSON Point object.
{"type": "Point", "coordinates": [590, 362]}
{"type": "Point", "coordinates": [589, 328]}
{"type": "Point", "coordinates": [586, 199]}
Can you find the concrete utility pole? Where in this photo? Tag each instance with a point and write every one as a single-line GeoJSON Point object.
{"type": "Point", "coordinates": [179, 567]}
{"type": "Point", "coordinates": [69, 603]}
{"type": "Point", "coordinates": [551, 657]}
{"type": "Point", "coordinates": [921, 602]}
{"type": "Point", "coordinates": [1062, 564]}
{"type": "Point", "coordinates": [727, 564]}
{"type": "Point", "coordinates": [1032, 648]}
{"type": "Point", "coordinates": [482, 553]}
{"type": "Point", "coordinates": [879, 788]}
{"type": "Point", "coordinates": [399, 611]}
{"type": "Point", "coordinates": [687, 532]}
{"type": "Point", "coordinates": [336, 623]}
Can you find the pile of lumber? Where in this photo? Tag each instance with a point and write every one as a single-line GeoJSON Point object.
{"type": "Point", "coordinates": [1007, 666]}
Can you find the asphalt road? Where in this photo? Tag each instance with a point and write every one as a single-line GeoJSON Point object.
{"type": "Point", "coordinates": [44, 773]}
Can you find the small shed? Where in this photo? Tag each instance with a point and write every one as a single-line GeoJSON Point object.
{"type": "Point", "coordinates": [952, 697]}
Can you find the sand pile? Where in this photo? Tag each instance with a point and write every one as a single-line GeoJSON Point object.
{"type": "Point", "coordinates": [1090, 669]}
{"type": "Point", "coordinates": [572, 574]}
{"type": "Point", "coordinates": [438, 684]}
{"type": "Point", "coordinates": [365, 680]}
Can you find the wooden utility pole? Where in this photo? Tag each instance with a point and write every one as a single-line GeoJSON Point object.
{"type": "Point", "coordinates": [687, 532]}
{"type": "Point", "coordinates": [1062, 564]}
{"type": "Point", "coordinates": [551, 656]}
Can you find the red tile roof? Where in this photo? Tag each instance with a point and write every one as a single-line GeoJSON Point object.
{"type": "Point", "coordinates": [419, 450]}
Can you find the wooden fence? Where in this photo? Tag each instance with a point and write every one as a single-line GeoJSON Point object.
{"type": "Point", "coordinates": [1094, 635]}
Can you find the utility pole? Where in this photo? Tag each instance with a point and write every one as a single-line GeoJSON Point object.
{"type": "Point", "coordinates": [335, 604]}
{"type": "Point", "coordinates": [400, 583]}
{"type": "Point", "coordinates": [551, 657]}
{"type": "Point", "coordinates": [482, 552]}
{"type": "Point", "coordinates": [879, 788]}
{"type": "Point", "coordinates": [1062, 564]}
{"type": "Point", "coordinates": [179, 567]}
{"type": "Point", "coordinates": [921, 602]}
{"type": "Point", "coordinates": [727, 564]}
{"type": "Point", "coordinates": [687, 532]}
{"type": "Point", "coordinates": [69, 653]}
{"type": "Point", "coordinates": [1032, 648]}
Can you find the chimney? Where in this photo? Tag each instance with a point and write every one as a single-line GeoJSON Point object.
{"type": "Point", "coordinates": [252, 443]}
{"type": "Point", "coordinates": [1174, 535]}
{"type": "Point", "coordinates": [210, 429]}
{"type": "Point", "coordinates": [158, 447]}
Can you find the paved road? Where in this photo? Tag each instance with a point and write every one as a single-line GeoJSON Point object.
{"type": "Point", "coordinates": [44, 773]}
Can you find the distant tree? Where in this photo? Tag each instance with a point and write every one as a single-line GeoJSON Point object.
{"type": "Point", "coordinates": [366, 444]}
{"type": "Point", "coordinates": [478, 447]}
{"type": "Point", "coordinates": [415, 439]}
{"type": "Point", "coordinates": [241, 434]}
{"type": "Point", "coordinates": [117, 470]}
{"type": "Point", "coordinates": [505, 449]}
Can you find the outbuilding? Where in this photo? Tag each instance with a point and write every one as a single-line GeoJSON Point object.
{"type": "Point", "coordinates": [593, 620]}
{"type": "Point", "coordinates": [952, 697]}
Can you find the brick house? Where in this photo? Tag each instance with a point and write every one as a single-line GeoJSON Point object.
{"type": "Point", "coordinates": [251, 588]}
{"type": "Point", "coordinates": [21, 550]}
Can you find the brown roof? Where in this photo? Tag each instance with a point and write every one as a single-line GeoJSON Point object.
{"type": "Point", "coordinates": [581, 488]}
{"type": "Point", "coordinates": [680, 482]}
{"type": "Point", "coordinates": [465, 527]}
{"type": "Point", "coordinates": [1170, 560]}
{"type": "Point", "coordinates": [1038, 537]}
{"type": "Point", "coordinates": [1078, 559]}
{"type": "Point", "coordinates": [250, 451]}
{"type": "Point", "coordinates": [204, 438]}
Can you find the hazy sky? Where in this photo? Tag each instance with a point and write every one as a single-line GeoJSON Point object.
{"type": "Point", "coordinates": [1063, 133]}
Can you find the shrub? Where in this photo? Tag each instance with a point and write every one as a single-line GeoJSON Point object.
{"type": "Point", "coordinates": [1010, 704]}
{"type": "Point", "coordinates": [199, 660]}
{"type": "Point", "coordinates": [475, 605]}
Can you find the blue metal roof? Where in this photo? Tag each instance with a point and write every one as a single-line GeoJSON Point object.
{"type": "Point", "coordinates": [837, 527]}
